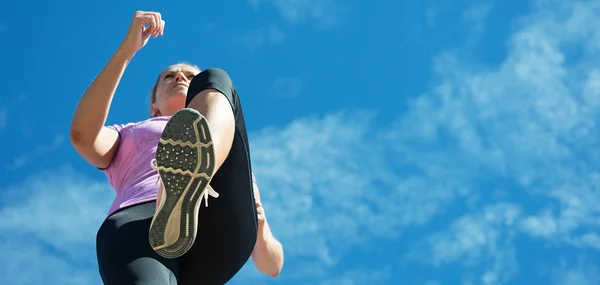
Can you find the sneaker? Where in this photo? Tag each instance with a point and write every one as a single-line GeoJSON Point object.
{"type": "Point", "coordinates": [185, 161]}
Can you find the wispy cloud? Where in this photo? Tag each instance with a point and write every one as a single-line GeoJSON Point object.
{"type": "Point", "coordinates": [48, 226]}
{"type": "Point", "coordinates": [259, 37]}
{"type": "Point", "coordinates": [583, 271]}
{"type": "Point", "coordinates": [12, 102]}
{"type": "Point", "coordinates": [3, 117]}
{"type": "Point", "coordinates": [323, 13]}
{"type": "Point", "coordinates": [475, 17]}
{"type": "Point", "coordinates": [488, 157]}
{"type": "Point", "coordinates": [286, 87]}
{"type": "Point", "coordinates": [524, 127]}
{"type": "Point", "coordinates": [431, 14]}
{"type": "Point", "coordinates": [478, 238]}
{"type": "Point", "coordinates": [39, 150]}
{"type": "Point", "coordinates": [281, 159]}
{"type": "Point", "coordinates": [543, 225]}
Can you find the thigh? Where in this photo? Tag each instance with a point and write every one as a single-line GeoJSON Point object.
{"type": "Point", "coordinates": [227, 228]}
{"type": "Point", "coordinates": [124, 253]}
{"type": "Point", "coordinates": [226, 234]}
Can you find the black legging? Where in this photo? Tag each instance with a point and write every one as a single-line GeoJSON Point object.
{"type": "Point", "coordinates": [226, 230]}
{"type": "Point", "coordinates": [124, 253]}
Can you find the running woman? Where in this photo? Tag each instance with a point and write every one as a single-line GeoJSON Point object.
{"type": "Point", "coordinates": [192, 156]}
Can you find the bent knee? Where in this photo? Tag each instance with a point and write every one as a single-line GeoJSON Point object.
{"type": "Point", "coordinates": [213, 75]}
{"type": "Point", "coordinates": [212, 79]}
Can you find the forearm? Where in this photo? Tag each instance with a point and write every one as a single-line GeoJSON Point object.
{"type": "Point", "coordinates": [268, 253]}
{"type": "Point", "coordinates": [92, 110]}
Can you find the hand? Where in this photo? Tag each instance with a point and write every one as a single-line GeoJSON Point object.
{"type": "Point", "coordinates": [143, 25]}
{"type": "Point", "coordinates": [260, 211]}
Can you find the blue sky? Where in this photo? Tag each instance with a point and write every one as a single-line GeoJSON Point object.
{"type": "Point", "coordinates": [400, 142]}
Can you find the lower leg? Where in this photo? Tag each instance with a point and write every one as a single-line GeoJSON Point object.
{"type": "Point", "coordinates": [215, 107]}
{"type": "Point", "coordinates": [173, 228]}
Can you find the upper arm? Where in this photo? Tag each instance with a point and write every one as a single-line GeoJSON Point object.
{"type": "Point", "coordinates": [99, 152]}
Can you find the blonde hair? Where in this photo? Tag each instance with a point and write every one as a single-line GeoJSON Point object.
{"type": "Point", "coordinates": [153, 92]}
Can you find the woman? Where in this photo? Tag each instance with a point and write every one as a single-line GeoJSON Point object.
{"type": "Point", "coordinates": [198, 125]}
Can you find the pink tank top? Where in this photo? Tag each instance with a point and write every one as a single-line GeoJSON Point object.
{"type": "Point", "coordinates": [130, 173]}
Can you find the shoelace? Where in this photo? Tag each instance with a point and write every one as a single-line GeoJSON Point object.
{"type": "Point", "coordinates": [209, 191]}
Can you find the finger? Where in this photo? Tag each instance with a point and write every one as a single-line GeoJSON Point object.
{"type": "Point", "coordinates": [143, 19]}
{"type": "Point", "coordinates": [161, 24]}
{"type": "Point", "coordinates": [146, 34]}
{"type": "Point", "coordinates": [158, 24]}
{"type": "Point", "coordinates": [155, 25]}
{"type": "Point", "coordinates": [145, 28]}
{"type": "Point", "coordinates": [162, 28]}
{"type": "Point", "coordinates": [148, 19]}
{"type": "Point", "coordinates": [146, 22]}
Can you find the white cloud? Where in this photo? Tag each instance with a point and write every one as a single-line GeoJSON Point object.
{"type": "Point", "coordinates": [526, 129]}
{"type": "Point", "coordinates": [48, 226]}
{"type": "Point", "coordinates": [309, 167]}
{"type": "Point", "coordinates": [359, 277]}
{"type": "Point", "coordinates": [3, 117]}
{"type": "Point", "coordinates": [272, 34]}
{"type": "Point", "coordinates": [544, 225]}
{"type": "Point", "coordinates": [474, 239]}
{"type": "Point", "coordinates": [39, 150]}
{"type": "Point", "coordinates": [524, 123]}
{"type": "Point", "coordinates": [323, 13]}
{"type": "Point", "coordinates": [58, 213]}
{"type": "Point", "coordinates": [583, 271]}
{"type": "Point", "coordinates": [475, 17]}
{"type": "Point", "coordinates": [286, 87]}
{"type": "Point", "coordinates": [527, 125]}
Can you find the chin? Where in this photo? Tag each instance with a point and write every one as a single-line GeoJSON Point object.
{"type": "Point", "coordinates": [177, 101]}
{"type": "Point", "coordinates": [179, 93]}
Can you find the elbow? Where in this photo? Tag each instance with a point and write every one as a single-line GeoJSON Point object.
{"type": "Point", "coordinates": [272, 272]}
{"type": "Point", "coordinates": [76, 136]}
{"type": "Point", "coordinates": [82, 130]}
{"type": "Point", "coordinates": [271, 268]}
{"type": "Point", "coordinates": [275, 273]}
{"type": "Point", "coordinates": [80, 137]}
{"type": "Point", "coordinates": [268, 258]}
{"type": "Point", "coordinates": [276, 269]}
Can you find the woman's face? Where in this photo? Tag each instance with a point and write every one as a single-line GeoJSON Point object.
{"type": "Point", "coordinates": [171, 89]}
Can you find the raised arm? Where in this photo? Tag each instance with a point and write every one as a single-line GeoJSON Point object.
{"type": "Point", "coordinates": [92, 140]}
{"type": "Point", "coordinates": [268, 252]}
{"type": "Point", "coordinates": [95, 142]}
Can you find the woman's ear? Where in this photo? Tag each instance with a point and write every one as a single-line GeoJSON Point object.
{"type": "Point", "coordinates": [154, 112]}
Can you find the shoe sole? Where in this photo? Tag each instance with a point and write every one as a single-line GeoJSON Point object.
{"type": "Point", "coordinates": [185, 161]}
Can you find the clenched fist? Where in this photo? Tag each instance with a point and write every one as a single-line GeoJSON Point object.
{"type": "Point", "coordinates": [143, 25]}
